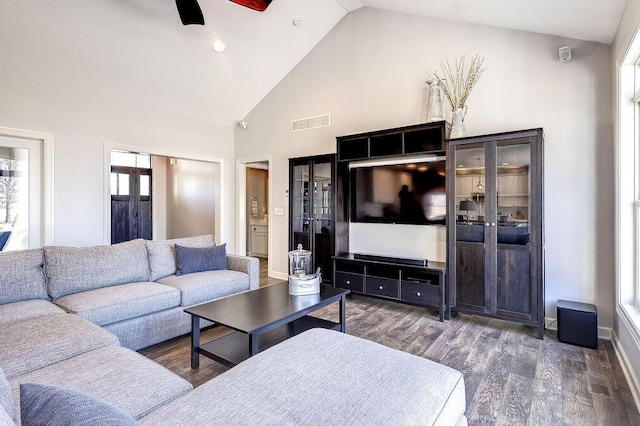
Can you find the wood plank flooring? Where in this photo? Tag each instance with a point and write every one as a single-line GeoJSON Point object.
{"type": "Point", "coordinates": [511, 377]}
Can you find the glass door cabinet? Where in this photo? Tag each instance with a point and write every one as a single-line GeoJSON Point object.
{"type": "Point", "coordinates": [311, 198]}
{"type": "Point", "coordinates": [495, 232]}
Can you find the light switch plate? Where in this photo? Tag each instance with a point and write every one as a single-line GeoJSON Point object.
{"type": "Point", "coordinates": [278, 211]}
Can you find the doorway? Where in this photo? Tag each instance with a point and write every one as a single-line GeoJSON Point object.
{"type": "Point", "coordinates": [24, 199]}
{"type": "Point", "coordinates": [254, 201]}
{"type": "Point", "coordinates": [131, 201]}
{"type": "Point", "coordinates": [161, 195]}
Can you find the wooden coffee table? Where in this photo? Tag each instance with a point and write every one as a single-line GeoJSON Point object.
{"type": "Point", "coordinates": [261, 319]}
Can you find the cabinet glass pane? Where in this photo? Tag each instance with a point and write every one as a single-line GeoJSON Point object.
{"type": "Point", "coordinates": [322, 198]}
{"type": "Point", "coordinates": [300, 197]}
{"type": "Point", "coordinates": [469, 193]}
{"type": "Point", "coordinates": [513, 179]}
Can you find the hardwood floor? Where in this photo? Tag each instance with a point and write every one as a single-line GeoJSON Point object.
{"type": "Point", "coordinates": [511, 377]}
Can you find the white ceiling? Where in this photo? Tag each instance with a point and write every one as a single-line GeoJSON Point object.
{"type": "Point", "coordinates": [591, 20]}
{"type": "Point", "coordinates": [137, 51]}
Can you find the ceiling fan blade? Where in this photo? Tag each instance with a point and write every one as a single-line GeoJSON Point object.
{"type": "Point", "coordinates": [259, 5]}
{"type": "Point", "coordinates": [190, 12]}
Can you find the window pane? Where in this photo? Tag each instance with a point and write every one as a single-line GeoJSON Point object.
{"type": "Point", "coordinates": [145, 182]}
{"type": "Point", "coordinates": [143, 161]}
{"type": "Point", "coordinates": [123, 180]}
{"type": "Point", "coordinates": [14, 196]}
{"type": "Point", "coordinates": [119, 158]}
{"type": "Point", "coordinates": [114, 184]}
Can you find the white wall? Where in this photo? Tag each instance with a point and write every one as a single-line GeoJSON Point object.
{"type": "Point", "coordinates": [82, 124]}
{"type": "Point", "coordinates": [626, 334]}
{"type": "Point", "coordinates": [192, 198]}
{"type": "Point", "coordinates": [159, 196]}
{"type": "Point", "coordinates": [369, 73]}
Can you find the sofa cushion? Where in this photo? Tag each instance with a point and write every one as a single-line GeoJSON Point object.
{"type": "Point", "coordinates": [121, 302]}
{"type": "Point", "coordinates": [206, 286]}
{"type": "Point", "coordinates": [113, 374]}
{"type": "Point", "coordinates": [324, 377]}
{"type": "Point", "coordinates": [22, 276]}
{"type": "Point", "coordinates": [5, 418]}
{"type": "Point", "coordinates": [42, 405]}
{"type": "Point", "coordinates": [75, 269]}
{"type": "Point", "coordinates": [162, 254]}
{"type": "Point", "coordinates": [48, 340]}
{"type": "Point", "coordinates": [6, 399]}
{"type": "Point", "coordinates": [19, 311]}
{"type": "Point", "coordinates": [197, 259]}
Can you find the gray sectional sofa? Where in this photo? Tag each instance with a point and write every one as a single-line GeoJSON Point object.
{"type": "Point", "coordinates": [70, 317]}
{"type": "Point", "coordinates": [129, 289]}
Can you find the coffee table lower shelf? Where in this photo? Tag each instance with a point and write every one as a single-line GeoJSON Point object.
{"type": "Point", "coordinates": [233, 348]}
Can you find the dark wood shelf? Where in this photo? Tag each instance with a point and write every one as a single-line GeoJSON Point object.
{"type": "Point", "coordinates": [404, 282]}
{"type": "Point", "coordinates": [425, 138]}
{"type": "Point", "coordinates": [233, 348]}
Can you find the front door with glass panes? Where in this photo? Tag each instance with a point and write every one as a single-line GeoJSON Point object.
{"type": "Point", "coordinates": [131, 211]}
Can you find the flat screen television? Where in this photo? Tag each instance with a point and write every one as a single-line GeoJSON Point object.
{"type": "Point", "coordinates": [410, 193]}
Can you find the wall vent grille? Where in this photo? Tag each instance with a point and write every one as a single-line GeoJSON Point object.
{"type": "Point", "coordinates": [311, 123]}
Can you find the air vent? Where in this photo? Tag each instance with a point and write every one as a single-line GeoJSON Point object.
{"type": "Point", "coordinates": [311, 123]}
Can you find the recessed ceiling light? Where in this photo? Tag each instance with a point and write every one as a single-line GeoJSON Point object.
{"type": "Point", "coordinates": [423, 168]}
{"type": "Point", "coordinates": [219, 46]}
{"type": "Point", "coordinates": [297, 21]}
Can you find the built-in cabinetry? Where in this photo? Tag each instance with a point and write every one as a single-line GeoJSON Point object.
{"type": "Point", "coordinates": [397, 144]}
{"type": "Point", "coordinates": [311, 209]}
{"type": "Point", "coordinates": [386, 278]}
{"type": "Point", "coordinates": [259, 240]}
{"type": "Point", "coordinates": [495, 237]}
{"type": "Point", "coordinates": [418, 285]}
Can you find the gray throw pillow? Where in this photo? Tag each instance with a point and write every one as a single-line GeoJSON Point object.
{"type": "Point", "coordinates": [192, 259]}
{"type": "Point", "coordinates": [50, 405]}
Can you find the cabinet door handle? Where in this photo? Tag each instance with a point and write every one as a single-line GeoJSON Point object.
{"type": "Point", "coordinates": [348, 282]}
{"type": "Point", "coordinates": [486, 224]}
{"type": "Point", "coordinates": [418, 294]}
{"type": "Point", "coordinates": [493, 224]}
{"type": "Point", "coordinates": [380, 287]}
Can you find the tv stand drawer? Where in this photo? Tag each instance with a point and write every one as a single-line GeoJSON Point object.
{"type": "Point", "coordinates": [382, 287]}
{"type": "Point", "coordinates": [419, 293]}
{"type": "Point", "coordinates": [353, 282]}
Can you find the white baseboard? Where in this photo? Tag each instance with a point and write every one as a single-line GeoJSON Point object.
{"type": "Point", "coordinates": [603, 332]}
{"type": "Point", "coordinates": [634, 384]}
{"type": "Point", "coordinates": [279, 275]}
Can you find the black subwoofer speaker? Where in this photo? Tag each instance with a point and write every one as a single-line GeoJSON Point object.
{"type": "Point", "coordinates": [578, 323]}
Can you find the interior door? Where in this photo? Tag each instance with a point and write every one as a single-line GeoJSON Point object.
{"type": "Point", "coordinates": [131, 213]}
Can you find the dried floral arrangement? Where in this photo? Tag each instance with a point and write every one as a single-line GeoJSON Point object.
{"type": "Point", "coordinates": [455, 85]}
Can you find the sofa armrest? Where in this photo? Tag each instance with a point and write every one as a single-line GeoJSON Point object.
{"type": "Point", "coordinates": [248, 265]}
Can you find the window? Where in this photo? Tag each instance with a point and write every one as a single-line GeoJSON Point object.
{"type": "Point", "coordinates": [628, 187]}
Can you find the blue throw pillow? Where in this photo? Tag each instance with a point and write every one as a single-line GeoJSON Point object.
{"type": "Point", "coordinates": [193, 259]}
{"type": "Point", "coordinates": [50, 405]}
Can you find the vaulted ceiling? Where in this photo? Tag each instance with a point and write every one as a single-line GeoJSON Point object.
{"type": "Point", "coordinates": [138, 51]}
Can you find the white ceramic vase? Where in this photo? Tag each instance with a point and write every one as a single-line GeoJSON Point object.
{"type": "Point", "coordinates": [457, 123]}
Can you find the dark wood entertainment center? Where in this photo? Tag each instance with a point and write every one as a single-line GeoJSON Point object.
{"type": "Point", "coordinates": [494, 222]}
{"type": "Point", "coordinates": [387, 277]}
